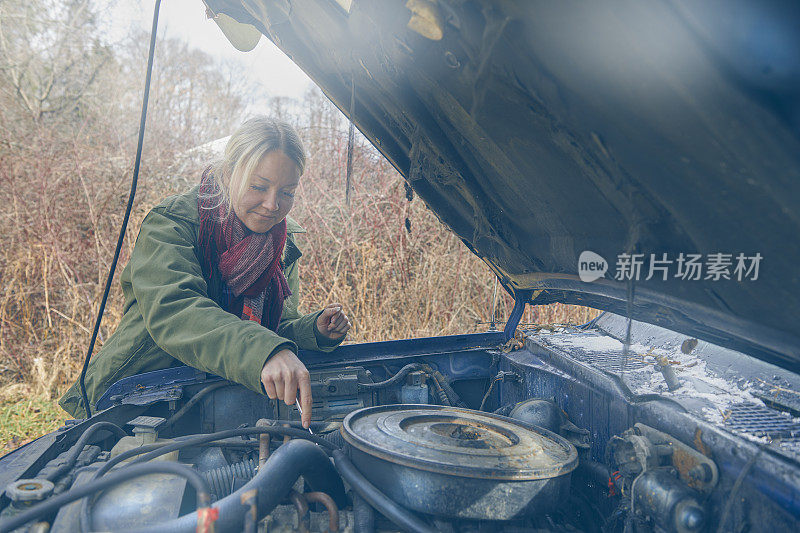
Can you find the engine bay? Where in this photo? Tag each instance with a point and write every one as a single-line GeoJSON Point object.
{"type": "Point", "coordinates": [466, 433]}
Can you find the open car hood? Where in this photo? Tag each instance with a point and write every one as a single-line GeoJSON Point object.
{"type": "Point", "coordinates": [539, 130]}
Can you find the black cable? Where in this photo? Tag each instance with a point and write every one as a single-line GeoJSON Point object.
{"type": "Point", "coordinates": [731, 498]}
{"type": "Point", "coordinates": [77, 448]}
{"type": "Point", "coordinates": [452, 395]}
{"type": "Point", "coordinates": [489, 391]}
{"type": "Point", "coordinates": [131, 197]}
{"type": "Point", "coordinates": [397, 378]}
{"type": "Point", "coordinates": [133, 471]}
{"type": "Point", "coordinates": [443, 399]}
{"type": "Point", "coordinates": [151, 451]}
{"type": "Point", "coordinates": [202, 393]}
{"type": "Point", "coordinates": [403, 518]}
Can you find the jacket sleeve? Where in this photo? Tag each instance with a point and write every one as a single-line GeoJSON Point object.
{"type": "Point", "coordinates": [302, 328]}
{"type": "Point", "coordinates": [180, 316]}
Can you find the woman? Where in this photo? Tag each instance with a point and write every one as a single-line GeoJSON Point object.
{"type": "Point", "coordinates": [213, 282]}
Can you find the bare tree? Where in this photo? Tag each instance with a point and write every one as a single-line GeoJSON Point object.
{"type": "Point", "coordinates": [51, 58]}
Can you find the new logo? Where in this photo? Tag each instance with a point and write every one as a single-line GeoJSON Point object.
{"type": "Point", "coordinates": [591, 266]}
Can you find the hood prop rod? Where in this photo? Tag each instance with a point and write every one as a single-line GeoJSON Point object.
{"type": "Point", "coordinates": [131, 197]}
{"type": "Point", "coordinates": [520, 301]}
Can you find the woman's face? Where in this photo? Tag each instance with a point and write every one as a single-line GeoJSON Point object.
{"type": "Point", "coordinates": [269, 194]}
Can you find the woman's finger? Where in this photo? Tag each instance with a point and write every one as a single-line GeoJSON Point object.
{"type": "Point", "coordinates": [269, 387]}
{"type": "Point", "coordinates": [329, 312]}
{"type": "Point", "coordinates": [290, 390]}
{"type": "Point", "coordinates": [332, 321]}
{"type": "Point", "coordinates": [344, 328]}
{"type": "Point", "coordinates": [337, 321]}
{"type": "Point", "coordinates": [279, 389]}
{"type": "Point", "coordinates": [305, 398]}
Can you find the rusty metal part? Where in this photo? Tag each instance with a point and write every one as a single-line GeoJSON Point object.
{"type": "Point", "coordinates": [301, 504]}
{"type": "Point", "coordinates": [699, 445]}
{"type": "Point", "coordinates": [263, 442]}
{"type": "Point", "coordinates": [642, 448]}
{"type": "Point", "coordinates": [250, 500]}
{"type": "Point", "coordinates": [330, 505]}
{"type": "Point", "coordinates": [694, 468]}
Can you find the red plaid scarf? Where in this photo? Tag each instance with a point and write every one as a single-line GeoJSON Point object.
{"type": "Point", "coordinates": [249, 263]}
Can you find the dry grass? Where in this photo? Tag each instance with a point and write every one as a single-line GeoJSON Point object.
{"type": "Point", "coordinates": [64, 201]}
{"type": "Point", "coordinates": [23, 420]}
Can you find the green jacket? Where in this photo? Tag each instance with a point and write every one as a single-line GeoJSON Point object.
{"type": "Point", "coordinates": [172, 316]}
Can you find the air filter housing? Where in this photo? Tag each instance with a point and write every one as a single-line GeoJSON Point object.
{"type": "Point", "coordinates": [460, 463]}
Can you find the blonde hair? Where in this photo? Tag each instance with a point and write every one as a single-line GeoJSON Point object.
{"type": "Point", "coordinates": [254, 139]}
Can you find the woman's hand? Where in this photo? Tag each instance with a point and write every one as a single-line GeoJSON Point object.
{"type": "Point", "coordinates": [333, 323]}
{"type": "Point", "coordinates": [283, 374]}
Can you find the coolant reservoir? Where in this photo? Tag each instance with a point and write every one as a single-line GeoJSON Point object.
{"type": "Point", "coordinates": [144, 432]}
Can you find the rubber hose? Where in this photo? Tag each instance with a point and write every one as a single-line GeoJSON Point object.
{"type": "Point", "coordinates": [452, 395]}
{"type": "Point", "coordinates": [274, 481]}
{"type": "Point", "coordinates": [397, 378]}
{"type": "Point", "coordinates": [443, 399]}
{"type": "Point", "coordinates": [210, 437]}
{"type": "Point", "coordinates": [335, 438]}
{"type": "Point", "coordinates": [221, 480]}
{"type": "Point", "coordinates": [363, 516]}
{"type": "Point", "coordinates": [597, 472]}
{"type": "Point", "coordinates": [77, 448]}
{"type": "Point", "coordinates": [403, 518]}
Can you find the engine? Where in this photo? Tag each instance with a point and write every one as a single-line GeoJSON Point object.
{"type": "Point", "coordinates": [405, 452]}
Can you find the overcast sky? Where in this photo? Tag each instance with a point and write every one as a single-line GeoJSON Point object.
{"type": "Point", "coordinates": [266, 66]}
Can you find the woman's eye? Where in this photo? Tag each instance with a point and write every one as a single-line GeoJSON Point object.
{"type": "Point", "coordinates": [289, 194]}
{"type": "Point", "coordinates": [257, 188]}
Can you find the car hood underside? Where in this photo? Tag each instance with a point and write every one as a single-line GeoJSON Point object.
{"type": "Point", "coordinates": [539, 130]}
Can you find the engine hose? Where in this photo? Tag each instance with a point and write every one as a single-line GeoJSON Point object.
{"type": "Point", "coordinates": [221, 480]}
{"type": "Point", "coordinates": [363, 516]}
{"type": "Point", "coordinates": [403, 518]}
{"type": "Point", "coordinates": [151, 451]}
{"type": "Point", "coordinates": [394, 380]}
{"type": "Point", "coordinates": [53, 504]}
{"type": "Point", "coordinates": [273, 481]}
{"type": "Point", "coordinates": [77, 448]}
{"type": "Point", "coordinates": [443, 399]}
{"type": "Point", "coordinates": [335, 438]}
{"type": "Point", "coordinates": [452, 395]}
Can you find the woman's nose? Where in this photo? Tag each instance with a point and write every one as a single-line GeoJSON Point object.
{"type": "Point", "coordinates": [270, 201]}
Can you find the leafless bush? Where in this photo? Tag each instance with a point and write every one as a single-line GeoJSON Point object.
{"type": "Point", "coordinates": [67, 139]}
{"type": "Point", "coordinates": [68, 125]}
